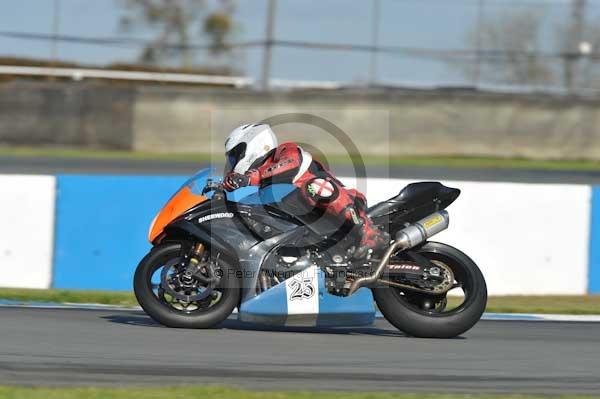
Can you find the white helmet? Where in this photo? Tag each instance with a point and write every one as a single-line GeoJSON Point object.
{"type": "Point", "coordinates": [246, 144]}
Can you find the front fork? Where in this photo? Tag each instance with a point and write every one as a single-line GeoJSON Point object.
{"type": "Point", "coordinates": [199, 266]}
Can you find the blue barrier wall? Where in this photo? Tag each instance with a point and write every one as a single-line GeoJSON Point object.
{"type": "Point", "coordinates": [102, 225]}
{"type": "Point", "coordinates": [594, 260]}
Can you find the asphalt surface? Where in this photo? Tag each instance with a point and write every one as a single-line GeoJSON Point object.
{"type": "Point", "coordinates": [108, 347]}
{"type": "Point", "coordinates": [50, 165]}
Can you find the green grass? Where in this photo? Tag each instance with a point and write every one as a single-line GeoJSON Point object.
{"type": "Point", "coordinates": [425, 161]}
{"type": "Point", "coordinates": [224, 393]}
{"type": "Point", "coordinates": [120, 298]}
{"type": "Point", "coordinates": [580, 305]}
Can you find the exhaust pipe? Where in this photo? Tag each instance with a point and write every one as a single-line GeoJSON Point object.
{"type": "Point", "coordinates": [422, 230]}
{"type": "Point", "coordinates": [408, 237]}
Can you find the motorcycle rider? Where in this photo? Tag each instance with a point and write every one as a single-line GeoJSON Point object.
{"type": "Point", "coordinates": [254, 158]}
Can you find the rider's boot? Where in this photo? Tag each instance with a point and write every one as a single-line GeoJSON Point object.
{"type": "Point", "coordinates": [372, 239]}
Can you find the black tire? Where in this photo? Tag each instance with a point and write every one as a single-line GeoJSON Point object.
{"type": "Point", "coordinates": [431, 324]}
{"type": "Point", "coordinates": [170, 317]}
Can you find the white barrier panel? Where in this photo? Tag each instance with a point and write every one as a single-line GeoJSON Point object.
{"type": "Point", "coordinates": [528, 239]}
{"type": "Point", "coordinates": [27, 232]}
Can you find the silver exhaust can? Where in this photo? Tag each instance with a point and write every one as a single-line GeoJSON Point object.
{"type": "Point", "coordinates": [422, 230]}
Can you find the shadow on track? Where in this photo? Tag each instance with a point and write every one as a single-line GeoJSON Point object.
{"type": "Point", "coordinates": [132, 319]}
{"type": "Point", "coordinates": [142, 320]}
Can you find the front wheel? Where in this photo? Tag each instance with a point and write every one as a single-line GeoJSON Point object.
{"type": "Point", "coordinates": [176, 300]}
{"type": "Point", "coordinates": [429, 316]}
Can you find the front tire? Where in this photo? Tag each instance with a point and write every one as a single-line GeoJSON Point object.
{"type": "Point", "coordinates": [401, 308]}
{"type": "Point", "coordinates": [163, 312]}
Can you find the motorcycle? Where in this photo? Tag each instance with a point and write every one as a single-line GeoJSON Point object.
{"type": "Point", "coordinates": [258, 251]}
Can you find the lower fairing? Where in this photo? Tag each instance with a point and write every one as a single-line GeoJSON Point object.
{"type": "Point", "coordinates": [302, 300]}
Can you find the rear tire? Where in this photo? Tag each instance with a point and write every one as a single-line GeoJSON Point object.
{"type": "Point", "coordinates": [167, 315]}
{"type": "Point", "coordinates": [431, 324]}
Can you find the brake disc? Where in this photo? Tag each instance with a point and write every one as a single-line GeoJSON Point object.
{"type": "Point", "coordinates": [173, 285]}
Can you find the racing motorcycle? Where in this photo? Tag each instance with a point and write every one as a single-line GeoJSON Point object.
{"type": "Point", "coordinates": [259, 251]}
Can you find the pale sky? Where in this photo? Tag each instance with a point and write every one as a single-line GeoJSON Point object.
{"type": "Point", "coordinates": [428, 24]}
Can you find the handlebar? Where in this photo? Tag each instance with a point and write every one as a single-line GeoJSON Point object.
{"type": "Point", "coordinates": [217, 187]}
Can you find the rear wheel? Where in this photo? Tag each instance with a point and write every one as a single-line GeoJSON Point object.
{"type": "Point", "coordinates": [434, 316]}
{"type": "Point", "coordinates": [171, 298]}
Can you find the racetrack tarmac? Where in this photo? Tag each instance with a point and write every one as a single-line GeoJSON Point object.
{"type": "Point", "coordinates": [109, 347]}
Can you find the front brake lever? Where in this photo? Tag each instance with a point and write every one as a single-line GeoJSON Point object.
{"type": "Point", "coordinates": [213, 186]}
{"type": "Point", "coordinates": [219, 194]}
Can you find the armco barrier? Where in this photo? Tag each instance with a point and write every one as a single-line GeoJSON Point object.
{"type": "Point", "coordinates": [527, 238]}
{"type": "Point", "coordinates": [101, 228]}
{"type": "Point", "coordinates": [26, 230]}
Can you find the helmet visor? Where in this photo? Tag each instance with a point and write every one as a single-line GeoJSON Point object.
{"type": "Point", "coordinates": [234, 155]}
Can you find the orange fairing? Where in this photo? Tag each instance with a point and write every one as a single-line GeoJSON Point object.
{"type": "Point", "coordinates": [179, 203]}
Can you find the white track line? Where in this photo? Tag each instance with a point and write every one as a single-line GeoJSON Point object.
{"type": "Point", "coordinates": [541, 317]}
